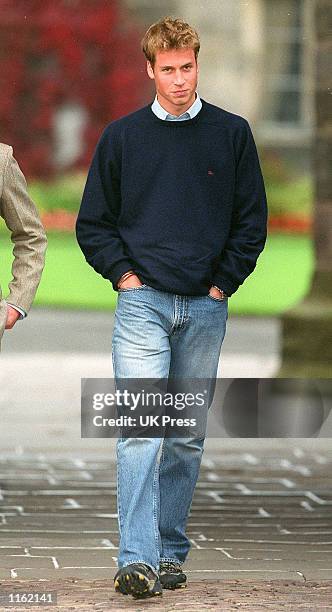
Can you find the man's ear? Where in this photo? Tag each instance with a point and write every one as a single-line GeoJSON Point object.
{"type": "Point", "coordinates": [149, 70]}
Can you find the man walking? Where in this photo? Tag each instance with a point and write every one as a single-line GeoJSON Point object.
{"type": "Point", "coordinates": [28, 236]}
{"type": "Point", "coordinates": [174, 215]}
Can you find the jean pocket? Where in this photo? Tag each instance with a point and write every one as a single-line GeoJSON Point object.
{"type": "Point", "coordinates": [126, 289]}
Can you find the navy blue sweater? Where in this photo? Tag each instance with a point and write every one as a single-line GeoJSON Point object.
{"type": "Point", "coordinates": [180, 202]}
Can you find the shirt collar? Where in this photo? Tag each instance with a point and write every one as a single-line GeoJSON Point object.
{"type": "Point", "coordinates": [190, 113]}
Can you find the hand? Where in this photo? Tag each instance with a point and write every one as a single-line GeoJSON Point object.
{"type": "Point", "coordinates": [12, 316]}
{"type": "Point", "coordinates": [214, 292]}
{"type": "Point", "coordinates": [132, 281]}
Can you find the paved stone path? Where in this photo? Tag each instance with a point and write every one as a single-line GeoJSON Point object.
{"type": "Point", "coordinates": [257, 516]}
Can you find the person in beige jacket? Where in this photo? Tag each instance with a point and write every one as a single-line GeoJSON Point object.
{"type": "Point", "coordinates": [29, 238]}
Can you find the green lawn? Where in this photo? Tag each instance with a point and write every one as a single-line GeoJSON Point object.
{"type": "Point", "coordinates": [280, 280]}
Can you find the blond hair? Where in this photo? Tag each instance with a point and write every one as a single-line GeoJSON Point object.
{"type": "Point", "coordinates": [166, 34]}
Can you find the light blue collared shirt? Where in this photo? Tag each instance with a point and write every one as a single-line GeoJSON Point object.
{"type": "Point", "coordinates": [161, 113]}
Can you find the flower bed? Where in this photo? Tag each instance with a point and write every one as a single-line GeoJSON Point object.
{"type": "Point", "coordinates": [64, 221]}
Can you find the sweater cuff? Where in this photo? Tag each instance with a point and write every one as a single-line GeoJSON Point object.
{"type": "Point", "coordinates": [118, 270]}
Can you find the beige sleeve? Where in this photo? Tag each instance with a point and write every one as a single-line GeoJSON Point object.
{"type": "Point", "coordinates": [27, 234]}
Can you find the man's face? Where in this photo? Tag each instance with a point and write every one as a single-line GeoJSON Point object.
{"type": "Point", "coordinates": [175, 73]}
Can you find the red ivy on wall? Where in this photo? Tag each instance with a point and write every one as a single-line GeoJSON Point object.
{"type": "Point", "coordinates": [70, 51]}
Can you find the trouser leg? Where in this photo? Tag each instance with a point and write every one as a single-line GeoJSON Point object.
{"type": "Point", "coordinates": [195, 350]}
{"type": "Point", "coordinates": [140, 349]}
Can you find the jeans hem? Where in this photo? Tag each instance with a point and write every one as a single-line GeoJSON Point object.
{"type": "Point", "coordinates": [131, 561]}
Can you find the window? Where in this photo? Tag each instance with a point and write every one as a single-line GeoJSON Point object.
{"type": "Point", "coordinates": [287, 64]}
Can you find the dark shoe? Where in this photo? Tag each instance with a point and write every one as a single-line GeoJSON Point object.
{"type": "Point", "coordinates": [138, 580]}
{"type": "Point", "coordinates": [171, 575]}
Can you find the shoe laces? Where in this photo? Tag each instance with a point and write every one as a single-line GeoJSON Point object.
{"type": "Point", "coordinates": [171, 566]}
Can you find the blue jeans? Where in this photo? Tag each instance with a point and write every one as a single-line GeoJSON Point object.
{"type": "Point", "coordinates": [161, 335]}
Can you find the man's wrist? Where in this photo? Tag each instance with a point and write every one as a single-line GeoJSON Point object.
{"type": "Point", "coordinates": [20, 310]}
{"type": "Point", "coordinates": [222, 293]}
{"type": "Point", "coordinates": [124, 277]}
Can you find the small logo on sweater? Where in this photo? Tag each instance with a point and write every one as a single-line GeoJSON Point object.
{"type": "Point", "coordinates": [210, 172]}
